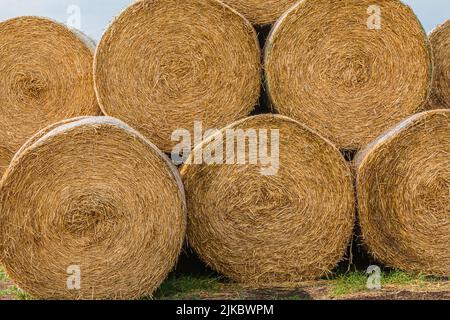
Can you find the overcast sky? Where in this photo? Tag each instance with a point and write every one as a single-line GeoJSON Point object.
{"type": "Point", "coordinates": [96, 14]}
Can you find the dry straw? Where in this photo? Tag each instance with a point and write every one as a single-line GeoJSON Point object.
{"type": "Point", "coordinates": [403, 194]}
{"type": "Point", "coordinates": [163, 64]}
{"type": "Point", "coordinates": [93, 197]}
{"type": "Point", "coordinates": [271, 229]}
{"type": "Point", "coordinates": [328, 66]}
{"type": "Point", "coordinates": [440, 41]}
{"type": "Point", "coordinates": [261, 12]}
{"type": "Point", "coordinates": [46, 76]}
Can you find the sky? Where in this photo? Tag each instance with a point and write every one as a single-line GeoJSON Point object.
{"type": "Point", "coordinates": [93, 16]}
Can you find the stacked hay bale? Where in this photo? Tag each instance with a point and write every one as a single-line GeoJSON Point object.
{"type": "Point", "coordinates": [403, 187]}
{"type": "Point", "coordinates": [290, 225]}
{"type": "Point", "coordinates": [93, 195]}
{"type": "Point", "coordinates": [347, 68]}
{"type": "Point", "coordinates": [164, 64]}
{"type": "Point", "coordinates": [440, 42]}
{"type": "Point", "coordinates": [259, 12]}
{"type": "Point", "coordinates": [46, 77]}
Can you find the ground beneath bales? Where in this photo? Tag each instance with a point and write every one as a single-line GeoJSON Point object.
{"type": "Point", "coordinates": [337, 289]}
{"type": "Point", "coordinates": [395, 285]}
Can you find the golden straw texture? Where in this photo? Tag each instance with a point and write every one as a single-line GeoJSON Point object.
{"type": "Point", "coordinates": [403, 190]}
{"type": "Point", "coordinates": [46, 76]}
{"type": "Point", "coordinates": [164, 64]}
{"type": "Point", "coordinates": [94, 194]}
{"type": "Point", "coordinates": [278, 228]}
{"type": "Point", "coordinates": [440, 42]}
{"type": "Point", "coordinates": [42, 132]}
{"type": "Point", "coordinates": [261, 12]}
{"type": "Point", "coordinates": [329, 67]}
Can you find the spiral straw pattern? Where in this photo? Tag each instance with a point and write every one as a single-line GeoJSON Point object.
{"type": "Point", "coordinates": [163, 64]}
{"type": "Point", "coordinates": [333, 65]}
{"type": "Point", "coordinates": [403, 188]}
{"type": "Point", "coordinates": [94, 194]}
{"type": "Point", "coordinates": [46, 76]}
{"type": "Point", "coordinates": [257, 228]}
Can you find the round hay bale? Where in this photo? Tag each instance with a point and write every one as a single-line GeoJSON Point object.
{"type": "Point", "coordinates": [328, 66]}
{"type": "Point", "coordinates": [91, 198]}
{"type": "Point", "coordinates": [163, 64]}
{"type": "Point", "coordinates": [440, 42]}
{"type": "Point", "coordinates": [257, 228]}
{"type": "Point", "coordinates": [261, 12]}
{"type": "Point", "coordinates": [46, 77]}
{"type": "Point", "coordinates": [403, 187]}
{"type": "Point", "coordinates": [42, 132]}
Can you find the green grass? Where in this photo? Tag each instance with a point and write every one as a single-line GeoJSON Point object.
{"type": "Point", "coordinates": [350, 283]}
{"type": "Point", "coordinates": [187, 287]}
{"type": "Point", "coordinates": [3, 276]}
{"type": "Point", "coordinates": [193, 288]}
{"type": "Point", "coordinates": [12, 290]}
{"type": "Point", "coordinates": [400, 277]}
{"type": "Point", "coordinates": [16, 293]}
{"type": "Point", "coordinates": [354, 282]}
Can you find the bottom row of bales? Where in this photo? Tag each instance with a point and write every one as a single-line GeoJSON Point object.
{"type": "Point", "coordinates": [93, 195]}
{"type": "Point", "coordinates": [90, 195]}
{"type": "Point", "coordinates": [403, 190]}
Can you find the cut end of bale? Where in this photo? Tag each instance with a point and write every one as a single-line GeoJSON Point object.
{"type": "Point", "coordinates": [403, 189]}
{"type": "Point", "coordinates": [89, 209]}
{"type": "Point", "coordinates": [290, 226]}
{"type": "Point", "coordinates": [46, 77]}
{"type": "Point", "coordinates": [336, 67]}
{"type": "Point", "coordinates": [164, 64]}
{"type": "Point", "coordinates": [440, 42]}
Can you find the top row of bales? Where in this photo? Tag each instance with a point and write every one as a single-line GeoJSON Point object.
{"type": "Point", "coordinates": [163, 64]}
{"type": "Point", "coordinates": [349, 69]}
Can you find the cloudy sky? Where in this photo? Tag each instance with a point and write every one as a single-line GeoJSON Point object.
{"type": "Point", "coordinates": [96, 14]}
